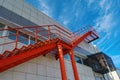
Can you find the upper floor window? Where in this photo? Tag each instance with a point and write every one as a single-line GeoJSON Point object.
{"type": "Point", "coordinates": [23, 38]}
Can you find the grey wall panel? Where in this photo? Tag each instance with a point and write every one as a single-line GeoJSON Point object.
{"type": "Point", "coordinates": [11, 16]}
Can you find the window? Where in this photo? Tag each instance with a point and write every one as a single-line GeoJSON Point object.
{"type": "Point", "coordinates": [23, 38]}
{"type": "Point", "coordinates": [78, 59]}
{"type": "Point", "coordinates": [11, 34]}
{"type": "Point", "coordinates": [32, 40]}
{"type": "Point", "coordinates": [98, 78]}
{"type": "Point", "coordinates": [1, 26]}
{"type": "Point", "coordinates": [67, 57]}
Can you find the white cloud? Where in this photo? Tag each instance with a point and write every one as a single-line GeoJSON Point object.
{"type": "Point", "coordinates": [45, 8]}
{"type": "Point", "coordinates": [65, 22]}
{"type": "Point", "coordinates": [90, 2]}
{"type": "Point", "coordinates": [102, 3]}
{"type": "Point", "coordinates": [115, 34]}
{"type": "Point", "coordinates": [116, 59]}
{"type": "Point", "coordinates": [68, 10]}
{"type": "Point", "coordinates": [105, 23]}
{"type": "Point", "coordinates": [103, 38]}
{"type": "Point", "coordinates": [107, 48]}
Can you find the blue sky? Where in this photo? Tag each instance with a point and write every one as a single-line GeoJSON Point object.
{"type": "Point", "coordinates": [103, 15]}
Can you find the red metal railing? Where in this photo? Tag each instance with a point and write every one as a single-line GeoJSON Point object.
{"type": "Point", "coordinates": [36, 32]}
{"type": "Point", "coordinates": [39, 33]}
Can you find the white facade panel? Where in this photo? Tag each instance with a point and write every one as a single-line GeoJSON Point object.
{"type": "Point", "coordinates": [33, 70]}
{"type": "Point", "coordinates": [18, 76]}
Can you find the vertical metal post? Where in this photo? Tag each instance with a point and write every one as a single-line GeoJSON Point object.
{"type": "Point", "coordinates": [48, 32]}
{"type": "Point", "coordinates": [36, 35]}
{"type": "Point", "coordinates": [58, 30]}
{"type": "Point", "coordinates": [76, 76]}
{"type": "Point", "coordinates": [62, 65]}
{"type": "Point", "coordinates": [16, 41]}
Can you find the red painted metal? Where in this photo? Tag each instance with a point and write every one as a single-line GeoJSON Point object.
{"type": "Point", "coordinates": [16, 42]}
{"type": "Point", "coordinates": [62, 64]}
{"type": "Point", "coordinates": [76, 75]}
{"type": "Point", "coordinates": [25, 56]}
{"type": "Point", "coordinates": [80, 39]}
{"type": "Point", "coordinates": [53, 37]}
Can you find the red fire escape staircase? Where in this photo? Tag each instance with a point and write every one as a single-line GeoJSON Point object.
{"type": "Point", "coordinates": [46, 38]}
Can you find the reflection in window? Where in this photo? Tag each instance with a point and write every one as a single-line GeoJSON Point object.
{"type": "Point", "coordinates": [11, 34]}
{"type": "Point", "coordinates": [23, 38]}
{"type": "Point", "coordinates": [98, 78]}
{"type": "Point", "coordinates": [78, 59]}
{"type": "Point", "coordinates": [32, 40]}
{"type": "Point", "coordinates": [67, 56]}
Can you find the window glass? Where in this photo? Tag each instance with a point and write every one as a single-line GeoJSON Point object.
{"type": "Point", "coordinates": [11, 34]}
{"type": "Point", "coordinates": [67, 56]}
{"type": "Point", "coordinates": [32, 40]}
{"type": "Point", "coordinates": [23, 38]}
{"type": "Point", "coordinates": [78, 59]}
{"type": "Point", "coordinates": [98, 78]}
{"type": "Point", "coordinates": [83, 61]}
{"type": "Point", "coordinates": [1, 26]}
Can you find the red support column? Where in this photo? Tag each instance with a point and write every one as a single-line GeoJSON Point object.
{"type": "Point", "coordinates": [76, 76]}
{"type": "Point", "coordinates": [62, 64]}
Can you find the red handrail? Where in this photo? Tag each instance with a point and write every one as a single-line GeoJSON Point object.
{"type": "Point", "coordinates": [44, 31]}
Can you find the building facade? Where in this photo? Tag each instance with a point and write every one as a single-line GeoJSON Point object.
{"type": "Point", "coordinates": [14, 13]}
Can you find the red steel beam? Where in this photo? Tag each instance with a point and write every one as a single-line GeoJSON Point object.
{"type": "Point", "coordinates": [80, 39]}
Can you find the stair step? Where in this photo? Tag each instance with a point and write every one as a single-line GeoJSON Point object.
{"type": "Point", "coordinates": [6, 54]}
{"type": "Point", "coordinates": [40, 44]}
{"type": "Point", "coordinates": [23, 48]}
{"type": "Point", "coordinates": [30, 46]}
{"type": "Point", "coordinates": [15, 51]}
{"type": "Point", "coordinates": [36, 45]}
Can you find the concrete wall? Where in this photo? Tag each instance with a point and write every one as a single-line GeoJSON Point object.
{"type": "Point", "coordinates": [45, 68]}
{"type": "Point", "coordinates": [23, 9]}
{"type": "Point", "coordinates": [89, 47]}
